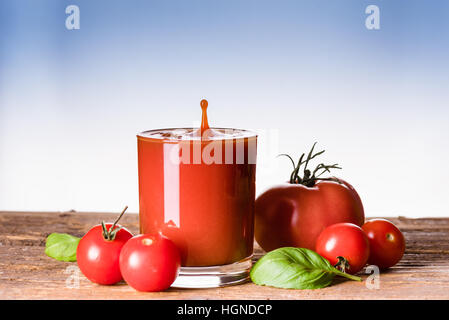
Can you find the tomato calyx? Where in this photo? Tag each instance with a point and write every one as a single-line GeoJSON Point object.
{"type": "Point", "coordinates": [342, 264]}
{"type": "Point", "coordinates": [389, 237]}
{"type": "Point", "coordinates": [309, 178]}
{"type": "Point", "coordinates": [109, 235]}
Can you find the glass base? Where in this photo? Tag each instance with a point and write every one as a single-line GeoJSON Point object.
{"type": "Point", "coordinates": [215, 276]}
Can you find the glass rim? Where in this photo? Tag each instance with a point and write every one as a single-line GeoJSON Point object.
{"type": "Point", "coordinates": [246, 134]}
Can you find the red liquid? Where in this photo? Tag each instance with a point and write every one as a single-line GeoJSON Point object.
{"type": "Point", "coordinates": [206, 208]}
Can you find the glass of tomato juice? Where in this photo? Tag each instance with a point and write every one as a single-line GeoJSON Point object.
{"type": "Point", "coordinates": [197, 187]}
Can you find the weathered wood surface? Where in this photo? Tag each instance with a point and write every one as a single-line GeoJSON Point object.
{"type": "Point", "coordinates": [27, 273]}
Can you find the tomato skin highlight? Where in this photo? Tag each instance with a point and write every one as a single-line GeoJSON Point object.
{"type": "Point", "coordinates": [346, 240]}
{"type": "Point", "coordinates": [97, 258]}
{"type": "Point", "coordinates": [293, 215]}
{"type": "Point", "coordinates": [150, 262]}
{"type": "Point", "coordinates": [387, 243]}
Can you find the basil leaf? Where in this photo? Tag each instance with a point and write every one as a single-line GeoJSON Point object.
{"type": "Point", "coordinates": [295, 268]}
{"type": "Point", "coordinates": [61, 246]}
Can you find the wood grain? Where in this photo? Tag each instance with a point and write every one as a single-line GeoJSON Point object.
{"type": "Point", "coordinates": [27, 273]}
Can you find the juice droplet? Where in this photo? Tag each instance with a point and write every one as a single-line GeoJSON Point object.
{"type": "Point", "coordinates": [204, 123]}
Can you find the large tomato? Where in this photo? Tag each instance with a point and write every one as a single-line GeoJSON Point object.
{"type": "Point", "coordinates": [295, 213]}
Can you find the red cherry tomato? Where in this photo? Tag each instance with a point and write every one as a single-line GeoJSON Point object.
{"type": "Point", "coordinates": [347, 241]}
{"type": "Point", "coordinates": [387, 243]}
{"type": "Point", "coordinates": [150, 262]}
{"type": "Point", "coordinates": [98, 258]}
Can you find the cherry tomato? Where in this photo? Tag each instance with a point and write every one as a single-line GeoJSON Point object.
{"type": "Point", "coordinates": [150, 262]}
{"type": "Point", "coordinates": [345, 245]}
{"type": "Point", "coordinates": [98, 258]}
{"type": "Point", "coordinates": [387, 243]}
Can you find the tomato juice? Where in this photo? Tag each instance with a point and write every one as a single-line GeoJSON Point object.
{"type": "Point", "coordinates": [197, 187]}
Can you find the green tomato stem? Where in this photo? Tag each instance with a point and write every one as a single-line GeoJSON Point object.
{"type": "Point", "coordinates": [309, 178]}
{"type": "Point", "coordinates": [347, 275]}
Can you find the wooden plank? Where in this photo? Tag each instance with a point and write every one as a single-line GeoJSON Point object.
{"type": "Point", "coordinates": [27, 273]}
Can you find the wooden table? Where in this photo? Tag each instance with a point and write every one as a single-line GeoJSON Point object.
{"type": "Point", "coordinates": [27, 273]}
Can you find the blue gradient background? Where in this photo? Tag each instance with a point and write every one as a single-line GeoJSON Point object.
{"type": "Point", "coordinates": [71, 102]}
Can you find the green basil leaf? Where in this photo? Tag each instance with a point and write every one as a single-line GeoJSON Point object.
{"type": "Point", "coordinates": [61, 246]}
{"type": "Point", "coordinates": [294, 268]}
